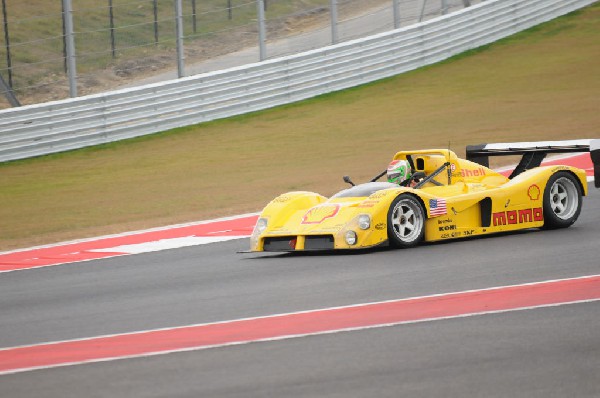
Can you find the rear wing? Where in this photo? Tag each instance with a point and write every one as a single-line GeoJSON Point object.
{"type": "Point", "coordinates": [534, 152]}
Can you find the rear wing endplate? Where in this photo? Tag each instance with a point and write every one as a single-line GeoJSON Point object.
{"type": "Point", "coordinates": [534, 152]}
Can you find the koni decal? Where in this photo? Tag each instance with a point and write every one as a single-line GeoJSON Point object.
{"type": "Point", "coordinates": [320, 213]}
{"type": "Point", "coordinates": [450, 227]}
{"type": "Point", "coordinates": [518, 216]}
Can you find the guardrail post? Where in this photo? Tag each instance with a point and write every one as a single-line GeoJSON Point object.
{"type": "Point", "coordinates": [334, 21]}
{"type": "Point", "coordinates": [260, 10]}
{"type": "Point", "coordinates": [179, 35]}
{"type": "Point", "coordinates": [423, 3]}
{"type": "Point", "coordinates": [444, 7]}
{"type": "Point", "coordinates": [70, 47]}
{"type": "Point", "coordinates": [396, 6]}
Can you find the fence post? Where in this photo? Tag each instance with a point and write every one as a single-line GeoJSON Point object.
{"type": "Point", "coordinates": [64, 36]}
{"type": "Point", "coordinates": [194, 22]}
{"type": "Point", "coordinates": [179, 38]}
{"type": "Point", "coordinates": [7, 43]}
{"type": "Point", "coordinates": [155, 10]}
{"type": "Point", "coordinates": [260, 9]}
{"type": "Point", "coordinates": [70, 47]}
{"type": "Point", "coordinates": [334, 21]}
{"type": "Point", "coordinates": [8, 93]}
{"type": "Point", "coordinates": [111, 21]}
{"type": "Point", "coordinates": [396, 5]}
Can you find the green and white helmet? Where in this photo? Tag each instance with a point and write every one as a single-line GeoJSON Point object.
{"type": "Point", "coordinates": [398, 171]}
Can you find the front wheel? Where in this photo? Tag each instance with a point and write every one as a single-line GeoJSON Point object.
{"type": "Point", "coordinates": [406, 221]}
{"type": "Point", "coordinates": [562, 201]}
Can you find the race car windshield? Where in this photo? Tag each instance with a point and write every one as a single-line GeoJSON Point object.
{"type": "Point", "coordinates": [364, 190]}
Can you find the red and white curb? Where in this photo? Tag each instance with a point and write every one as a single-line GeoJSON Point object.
{"type": "Point", "coordinates": [299, 324]}
{"type": "Point", "coordinates": [171, 237]}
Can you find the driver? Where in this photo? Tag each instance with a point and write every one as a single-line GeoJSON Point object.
{"type": "Point", "coordinates": [399, 172]}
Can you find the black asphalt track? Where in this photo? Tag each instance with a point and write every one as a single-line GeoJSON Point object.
{"type": "Point", "coordinates": [549, 352]}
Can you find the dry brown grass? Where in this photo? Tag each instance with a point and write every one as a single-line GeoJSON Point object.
{"type": "Point", "coordinates": [539, 85]}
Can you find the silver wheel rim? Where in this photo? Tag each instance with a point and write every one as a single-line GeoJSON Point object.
{"type": "Point", "coordinates": [407, 220]}
{"type": "Point", "coordinates": [563, 198]}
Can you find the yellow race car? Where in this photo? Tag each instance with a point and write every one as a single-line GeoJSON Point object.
{"type": "Point", "coordinates": [445, 198]}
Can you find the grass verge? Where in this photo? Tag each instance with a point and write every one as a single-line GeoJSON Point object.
{"type": "Point", "coordinates": [537, 85]}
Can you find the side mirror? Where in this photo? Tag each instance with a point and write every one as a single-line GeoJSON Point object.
{"type": "Point", "coordinates": [349, 181]}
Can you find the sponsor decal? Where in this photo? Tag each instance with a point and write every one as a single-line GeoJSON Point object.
{"type": "Point", "coordinates": [380, 226]}
{"type": "Point", "coordinates": [478, 172]}
{"type": "Point", "coordinates": [457, 234]}
{"type": "Point", "coordinates": [447, 228]}
{"type": "Point", "coordinates": [534, 192]}
{"type": "Point", "coordinates": [282, 199]}
{"type": "Point", "coordinates": [443, 221]}
{"type": "Point", "coordinates": [320, 213]}
{"type": "Point", "coordinates": [437, 207]}
{"type": "Point", "coordinates": [368, 203]}
{"type": "Point", "coordinates": [518, 216]}
{"type": "Point", "coordinates": [379, 194]}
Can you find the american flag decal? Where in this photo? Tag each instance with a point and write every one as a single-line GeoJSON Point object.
{"type": "Point", "coordinates": [437, 207]}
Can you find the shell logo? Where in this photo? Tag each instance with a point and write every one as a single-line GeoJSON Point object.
{"type": "Point", "coordinates": [534, 192]}
{"type": "Point", "coordinates": [320, 213]}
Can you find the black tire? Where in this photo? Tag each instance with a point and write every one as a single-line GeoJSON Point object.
{"type": "Point", "coordinates": [562, 200]}
{"type": "Point", "coordinates": [406, 222]}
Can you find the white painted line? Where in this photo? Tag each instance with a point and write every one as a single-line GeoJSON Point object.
{"type": "Point", "coordinates": [165, 244]}
{"type": "Point", "coordinates": [138, 232]}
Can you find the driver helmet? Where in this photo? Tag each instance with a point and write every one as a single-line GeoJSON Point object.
{"type": "Point", "coordinates": [398, 171]}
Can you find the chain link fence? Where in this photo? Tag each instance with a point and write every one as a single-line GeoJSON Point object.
{"type": "Point", "coordinates": [51, 50]}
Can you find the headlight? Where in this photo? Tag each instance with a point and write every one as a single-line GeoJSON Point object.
{"type": "Point", "coordinates": [351, 238]}
{"type": "Point", "coordinates": [364, 221]}
{"type": "Point", "coordinates": [261, 225]}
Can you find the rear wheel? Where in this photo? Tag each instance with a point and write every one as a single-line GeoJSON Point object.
{"type": "Point", "coordinates": [406, 221]}
{"type": "Point", "coordinates": [562, 201]}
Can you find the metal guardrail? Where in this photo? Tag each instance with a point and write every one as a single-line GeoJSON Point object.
{"type": "Point", "coordinates": [96, 119]}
